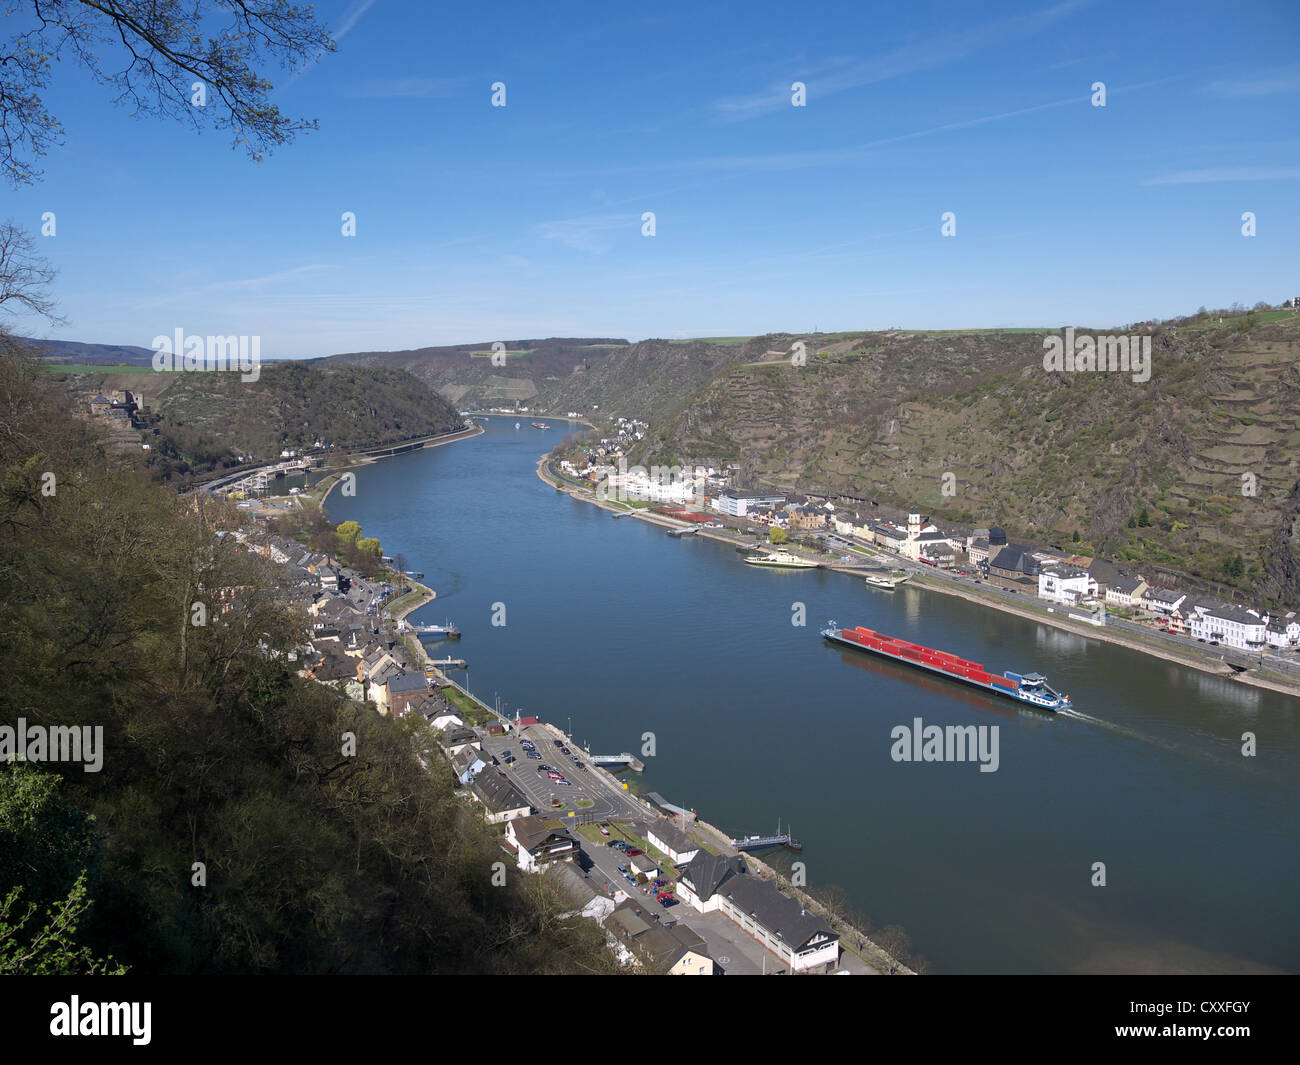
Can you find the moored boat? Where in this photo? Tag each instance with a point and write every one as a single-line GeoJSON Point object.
{"type": "Point", "coordinates": [781, 560]}
{"type": "Point", "coordinates": [1029, 688]}
{"type": "Point", "coordinates": [890, 582]}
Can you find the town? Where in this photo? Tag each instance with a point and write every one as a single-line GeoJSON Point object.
{"type": "Point", "coordinates": [1092, 589]}
{"type": "Point", "coordinates": [672, 894]}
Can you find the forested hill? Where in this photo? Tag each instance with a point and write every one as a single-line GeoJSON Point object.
{"type": "Point", "coordinates": [224, 831]}
{"type": "Point", "coordinates": [196, 423]}
{"type": "Point", "coordinates": [1193, 472]}
{"type": "Point", "coordinates": [530, 372]}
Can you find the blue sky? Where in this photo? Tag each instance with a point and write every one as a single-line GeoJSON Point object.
{"type": "Point", "coordinates": [478, 223]}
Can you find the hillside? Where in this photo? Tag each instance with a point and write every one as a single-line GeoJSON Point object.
{"type": "Point", "coordinates": [221, 832]}
{"type": "Point", "coordinates": [536, 372]}
{"type": "Point", "coordinates": [203, 420]}
{"type": "Point", "coordinates": [884, 416]}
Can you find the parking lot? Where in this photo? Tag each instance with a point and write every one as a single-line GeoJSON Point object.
{"type": "Point", "coordinates": [587, 796]}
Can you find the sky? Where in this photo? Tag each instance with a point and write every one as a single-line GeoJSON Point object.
{"type": "Point", "coordinates": [476, 222]}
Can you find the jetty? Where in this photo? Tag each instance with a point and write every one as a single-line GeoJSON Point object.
{"type": "Point", "coordinates": [630, 761]}
{"type": "Point", "coordinates": [778, 839]}
{"type": "Point", "coordinates": [448, 630]}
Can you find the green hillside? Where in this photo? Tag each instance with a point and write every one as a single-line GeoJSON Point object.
{"type": "Point", "coordinates": [885, 416]}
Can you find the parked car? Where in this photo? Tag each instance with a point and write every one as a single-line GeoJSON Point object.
{"type": "Point", "coordinates": [632, 852]}
{"type": "Point", "coordinates": [604, 831]}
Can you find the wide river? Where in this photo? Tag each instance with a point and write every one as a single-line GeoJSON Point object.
{"type": "Point", "coordinates": [622, 630]}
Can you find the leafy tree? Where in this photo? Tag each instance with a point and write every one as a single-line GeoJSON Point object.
{"type": "Point", "coordinates": [53, 949]}
{"type": "Point", "coordinates": [153, 54]}
{"type": "Point", "coordinates": [778, 535]}
{"type": "Point", "coordinates": [348, 533]}
{"type": "Point", "coordinates": [1075, 537]}
{"type": "Point", "coordinates": [1143, 518]}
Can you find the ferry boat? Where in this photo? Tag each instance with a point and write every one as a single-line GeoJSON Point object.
{"type": "Point", "coordinates": [781, 560]}
{"type": "Point", "coordinates": [890, 582]}
{"type": "Point", "coordinates": [1030, 688]}
{"type": "Point", "coordinates": [540, 425]}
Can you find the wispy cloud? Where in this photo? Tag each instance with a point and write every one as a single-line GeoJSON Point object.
{"type": "Point", "coordinates": [1264, 83]}
{"type": "Point", "coordinates": [1227, 173]}
{"type": "Point", "coordinates": [934, 52]}
{"type": "Point", "coordinates": [592, 233]}
{"type": "Point", "coordinates": [353, 17]}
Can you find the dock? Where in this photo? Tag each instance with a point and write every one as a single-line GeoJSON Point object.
{"type": "Point", "coordinates": [449, 663]}
{"type": "Point", "coordinates": [631, 761]}
{"type": "Point", "coordinates": [778, 839]}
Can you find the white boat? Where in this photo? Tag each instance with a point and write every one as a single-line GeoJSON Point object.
{"type": "Point", "coordinates": [889, 583]}
{"type": "Point", "coordinates": [781, 560]}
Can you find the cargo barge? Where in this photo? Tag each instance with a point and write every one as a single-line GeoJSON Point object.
{"type": "Point", "coordinates": [1030, 688]}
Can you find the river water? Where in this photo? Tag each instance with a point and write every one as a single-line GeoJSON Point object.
{"type": "Point", "coordinates": [624, 631]}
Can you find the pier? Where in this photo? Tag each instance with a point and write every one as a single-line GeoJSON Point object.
{"type": "Point", "coordinates": [779, 839]}
{"type": "Point", "coordinates": [631, 761]}
{"type": "Point", "coordinates": [449, 663]}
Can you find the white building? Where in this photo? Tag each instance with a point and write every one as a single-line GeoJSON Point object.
{"type": "Point", "coordinates": [1283, 631]}
{"type": "Point", "coordinates": [1125, 591]}
{"type": "Point", "coordinates": [1230, 625]}
{"type": "Point", "coordinates": [740, 504]}
{"type": "Point", "coordinates": [1066, 586]}
{"type": "Point", "coordinates": [667, 837]}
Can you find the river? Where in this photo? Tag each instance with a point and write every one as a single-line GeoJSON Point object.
{"type": "Point", "coordinates": [625, 631]}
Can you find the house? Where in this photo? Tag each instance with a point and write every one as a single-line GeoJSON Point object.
{"type": "Point", "coordinates": [977, 549]}
{"type": "Point", "coordinates": [466, 764]}
{"type": "Point", "coordinates": [443, 720]}
{"type": "Point", "coordinates": [500, 798]}
{"type": "Point", "coordinates": [807, 518]}
{"type": "Point", "coordinates": [540, 842]}
{"type": "Point", "coordinates": [643, 866]}
{"type": "Point", "coordinates": [1231, 625]}
{"type": "Point", "coordinates": [1283, 631]}
{"type": "Point", "coordinates": [1125, 591]}
{"type": "Point", "coordinates": [1158, 600]}
{"type": "Point", "coordinates": [1065, 585]}
{"type": "Point", "coordinates": [377, 692]}
{"type": "Point", "coordinates": [403, 689]}
{"type": "Point", "coordinates": [888, 536]}
{"type": "Point", "coordinates": [457, 738]}
{"type": "Point", "coordinates": [779, 923]}
{"type": "Point", "coordinates": [698, 882]}
{"type": "Point", "coordinates": [1013, 562]}
{"type": "Point", "coordinates": [668, 838]}
{"type": "Point", "coordinates": [935, 548]}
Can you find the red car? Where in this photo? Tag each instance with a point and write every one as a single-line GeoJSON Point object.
{"type": "Point", "coordinates": [632, 852]}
